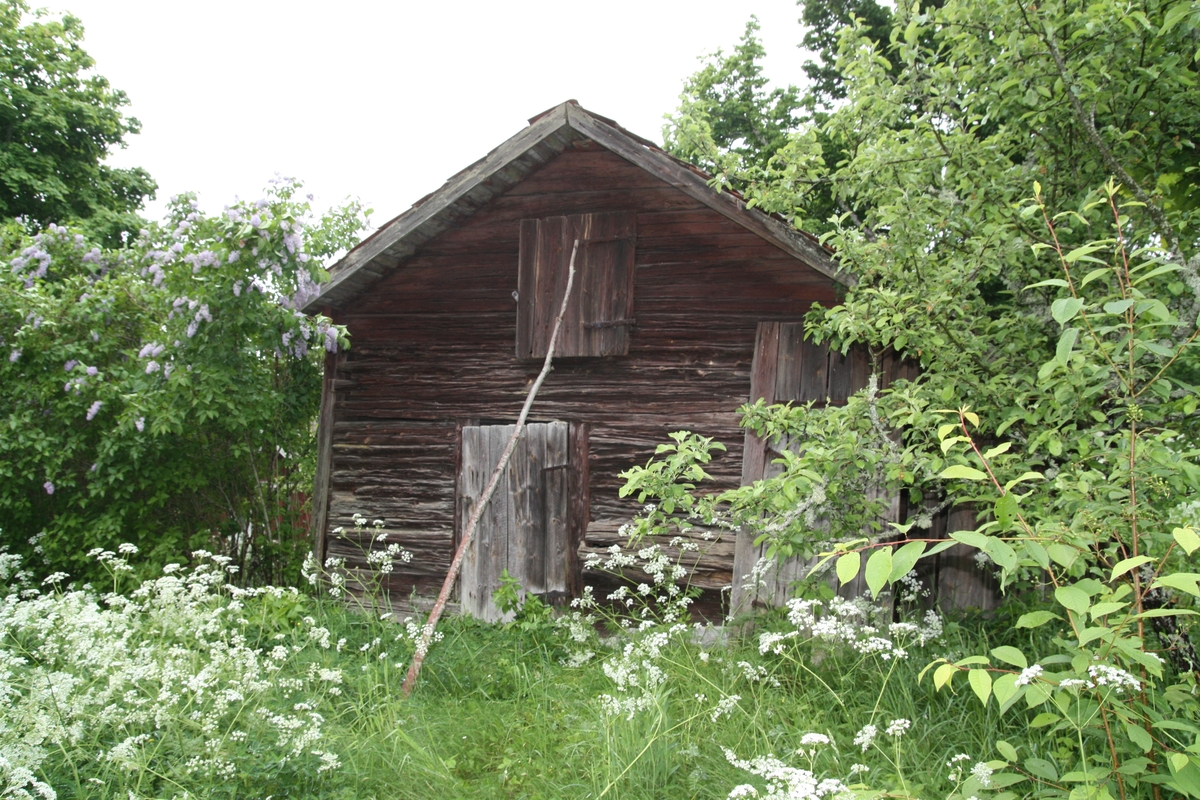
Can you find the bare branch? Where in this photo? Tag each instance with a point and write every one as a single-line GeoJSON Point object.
{"type": "Point", "coordinates": [414, 669]}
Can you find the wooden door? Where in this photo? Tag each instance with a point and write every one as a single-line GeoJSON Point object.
{"type": "Point", "coordinates": [787, 368]}
{"type": "Point", "coordinates": [524, 527]}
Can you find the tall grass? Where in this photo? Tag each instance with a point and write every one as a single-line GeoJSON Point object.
{"type": "Point", "coordinates": [188, 687]}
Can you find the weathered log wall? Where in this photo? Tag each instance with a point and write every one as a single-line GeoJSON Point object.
{"type": "Point", "coordinates": [433, 350]}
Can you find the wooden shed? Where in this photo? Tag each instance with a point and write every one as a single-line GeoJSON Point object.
{"type": "Point", "coordinates": [688, 305]}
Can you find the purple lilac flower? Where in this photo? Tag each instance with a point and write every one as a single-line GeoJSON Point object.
{"type": "Point", "coordinates": [140, 424]}
{"type": "Point", "coordinates": [14, 355]}
{"type": "Point", "coordinates": [237, 289]}
{"type": "Point", "coordinates": [92, 370]}
{"type": "Point", "coordinates": [70, 365]}
{"type": "Point", "coordinates": [151, 367]}
{"type": "Point", "coordinates": [49, 487]}
{"type": "Point", "coordinates": [94, 410]}
{"type": "Point", "coordinates": [192, 327]}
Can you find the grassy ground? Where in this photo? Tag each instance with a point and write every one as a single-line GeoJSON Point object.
{"type": "Point", "coordinates": [497, 715]}
{"type": "Point", "coordinates": [187, 688]}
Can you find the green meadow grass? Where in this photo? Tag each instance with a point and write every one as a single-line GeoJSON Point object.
{"type": "Point", "coordinates": [498, 715]}
{"type": "Point", "coordinates": [189, 688]}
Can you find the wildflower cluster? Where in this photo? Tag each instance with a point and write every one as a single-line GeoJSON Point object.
{"type": "Point", "coordinates": [849, 623]}
{"type": "Point", "coordinates": [665, 598]}
{"type": "Point", "coordinates": [377, 553]}
{"type": "Point", "coordinates": [783, 782]}
{"type": "Point", "coordinates": [164, 679]}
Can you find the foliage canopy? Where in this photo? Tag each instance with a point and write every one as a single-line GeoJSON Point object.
{"type": "Point", "coordinates": [1015, 188]}
{"type": "Point", "coordinates": [58, 122]}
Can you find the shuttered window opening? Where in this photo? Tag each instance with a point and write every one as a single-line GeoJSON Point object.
{"type": "Point", "coordinates": [524, 527]}
{"type": "Point", "coordinates": [599, 315]}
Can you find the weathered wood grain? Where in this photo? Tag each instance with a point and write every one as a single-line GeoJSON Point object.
{"type": "Point", "coordinates": [434, 352]}
{"type": "Point", "coordinates": [325, 422]}
{"type": "Point", "coordinates": [524, 528]}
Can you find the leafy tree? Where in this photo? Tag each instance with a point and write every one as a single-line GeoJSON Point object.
{"type": "Point", "coordinates": [163, 393]}
{"type": "Point", "coordinates": [823, 21]}
{"type": "Point", "coordinates": [742, 117]}
{"type": "Point", "coordinates": [58, 122]}
{"type": "Point", "coordinates": [1019, 200]}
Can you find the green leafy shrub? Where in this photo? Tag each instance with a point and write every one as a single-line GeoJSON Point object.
{"type": "Point", "coordinates": [164, 393]}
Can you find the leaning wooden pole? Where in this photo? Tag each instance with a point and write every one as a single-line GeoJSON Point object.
{"type": "Point", "coordinates": [414, 669]}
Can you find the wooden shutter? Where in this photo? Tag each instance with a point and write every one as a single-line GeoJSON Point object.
{"type": "Point", "coordinates": [600, 312]}
{"type": "Point", "coordinates": [524, 528]}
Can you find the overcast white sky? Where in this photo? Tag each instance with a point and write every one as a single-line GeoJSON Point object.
{"type": "Point", "coordinates": [385, 100]}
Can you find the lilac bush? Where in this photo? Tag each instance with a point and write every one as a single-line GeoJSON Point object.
{"type": "Point", "coordinates": [164, 392]}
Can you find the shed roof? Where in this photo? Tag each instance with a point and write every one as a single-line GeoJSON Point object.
{"type": "Point", "coordinates": [547, 135]}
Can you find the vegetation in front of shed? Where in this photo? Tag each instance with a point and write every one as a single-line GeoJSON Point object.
{"type": "Point", "coordinates": [1016, 192]}
{"type": "Point", "coordinates": [187, 686]}
{"type": "Point", "coordinates": [163, 393]}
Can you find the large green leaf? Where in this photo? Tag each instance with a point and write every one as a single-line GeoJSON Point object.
{"type": "Point", "coordinates": [847, 567]}
{"type": "Point", "coordinates": [1065, 308]}
{"type": "Point", "coordinates": [879, 568]}
{"type": "Point", "coordinates": [1073, 598]}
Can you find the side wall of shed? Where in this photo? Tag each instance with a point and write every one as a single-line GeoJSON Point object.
{"type": "Point", "coordinates": [433, 349]}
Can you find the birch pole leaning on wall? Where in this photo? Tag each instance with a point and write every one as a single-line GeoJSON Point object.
{"type": "Point", "coordinates": [414, 669]}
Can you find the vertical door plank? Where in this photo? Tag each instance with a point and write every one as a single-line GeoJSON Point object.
{"type": "Point", "coordinates": [527, 563]}
{"type": "Point", "coordinates": [579, 515]}
{"type": "Point", "coordinates": [605, 275]}
{"type": "Point", "coordinates": [961, 581]}
{"type": "Point", "coordinates": [556, 514]}
{"type": "Point", "coordinates": [527, 288]}
{"type": "Point", "coordinates": [324, 471]}
{"type": "Point", "coordinates": [791, 363]}
{"type": "Point", "coordinates": [860, 368]}
{"type": "Point", "coordinates": [501, 505]}
{"type": "Point", "coordinates": [814, 372]}
{"type": "Point", "coordinates": [841, 377]}
{"type": "Point", "coordinates": [549, 285]}
{"type": "Point", "coordinates": [474, 451]}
